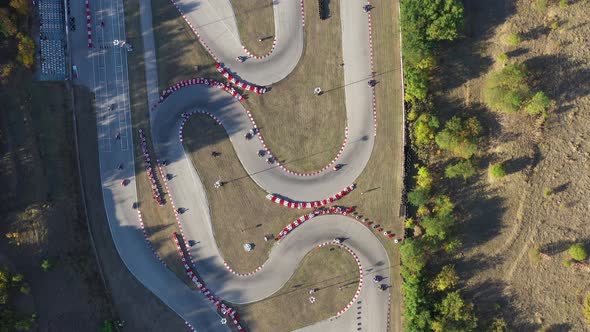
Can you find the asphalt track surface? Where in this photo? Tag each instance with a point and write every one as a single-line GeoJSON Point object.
{"type": "Point", "coordinates": [104, 69]}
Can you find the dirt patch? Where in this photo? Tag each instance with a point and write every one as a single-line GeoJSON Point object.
{"type": "Point", "coordinates": [334, 284]}
{"type": "Point", "coordinates": [506, 218]}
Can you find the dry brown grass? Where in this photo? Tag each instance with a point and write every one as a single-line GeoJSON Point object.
{"type": "Point", "coordinates": [277, 313]}
{"type": "Point", "coordinates": [311, 119]}
{"type": "Point", "coordinates": [178, 51]}
{"type": "Point", "coordinates": [159, 220]}
{"type": "Point", "coordinates": [255, 20]}
{"type": "Point", "coordinates": [251, 215]}
{"type": "Point", "coordinates": [503, 220]}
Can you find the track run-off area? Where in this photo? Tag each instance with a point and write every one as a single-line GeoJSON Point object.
{"type": "Point", "coordinates": [217, 285]}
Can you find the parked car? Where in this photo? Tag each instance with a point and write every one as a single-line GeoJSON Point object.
{"type": "Point", "coordinates": [75, 71]}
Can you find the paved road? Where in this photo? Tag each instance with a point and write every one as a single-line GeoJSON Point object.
{"type": "Point", "coordinates": [104, 70]}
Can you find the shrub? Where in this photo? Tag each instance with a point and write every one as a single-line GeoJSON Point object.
{"type": "Point", "coordinates": [106, 326]}
{"type": "Point", "coordinates": [554, 25]}
{"type": "Point", "coordinates": [547, 191]}
{"type": "Point", "coordinates": [7, 23]}
{"type": "Point", "coordinates": [423, 178]}
{"type": "Point", "coordinates": [497, 170]}
{"type": "Point", "coordinates": [499, 325]}
{"type": "Point", "coordinates": [567, 262]}
{"type": "Point", "coordinates": [502, 57]}
{"type": "Point", "coordinates": [416, 81]}
{"type": "Point", "coordinates": [424, 128]}
{"type": "Point", "coordinates": [452, 246]}
{"type": "Point", "coordinates": [26, 50]}
{"type": "Point", "coordinates": [506, 89]}
{"type": "Point", "coordinates": [512, 39]}
{"type": "Point", "coordinates": [540, 6]}
{"type": "Point", "coordinates": [438, 227]}
{"type": "Point", "coordinates": [563, 3]}
{"type": "Point", "coordinates": [464, 169]}
{"type": "Point", "coordinates": [538, 104]}
{"type": "Point", "coordinates": [535, 255]}
{"type": "Point", "coordinates": [46, 265]}
{"type": "Point", "coordinates": [418, 196]}
{"type": "Point", "coordinates": [578, 252]}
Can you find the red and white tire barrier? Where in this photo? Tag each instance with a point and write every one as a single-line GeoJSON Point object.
{"type": "Point", "coordinates": [310, 205]}
{"type": "Point", "coordinates": [242, 274]}
{"type": "Point", "coordinates": [156, 194]}
{"type": "Point", "coordinates": [281, 166]}
{"type": "Point", "coordinates": [302, 13]}
{"type": "Point", "coordinates": [195, 81]}
{"type": "Point", "coordinates": [258, 57]}
{"type": "Point", "coordinates": [186, 116]}
{"type": "Point", "coordinates": [196, 32]}
{"type": "Point", "coordinates": [296, 223]}
{"type": "Point", "coordinates": [358, 263]}
{"type": "Point", "coordinates": [88, 23]}
{"type": "Point", "coordinates": [231, 78]}
{"type": "Point", "coordinates": [145, 236]}
{"type": "Point", "coordinates": [225, 310]}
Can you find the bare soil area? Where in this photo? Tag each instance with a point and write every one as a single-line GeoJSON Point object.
{"type": "Point", "coordinates": [506, 218]}
{"type": "Point", "coordinates": [42, 211]}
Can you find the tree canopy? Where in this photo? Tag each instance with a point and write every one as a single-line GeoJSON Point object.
{"type": "Point", "coordinates": [460, 136]}
{"type": "Point", "coordinates": [463, 169]}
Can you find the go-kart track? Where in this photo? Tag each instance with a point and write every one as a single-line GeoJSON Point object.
{"type": "Point", "coordinates": [104, 69]}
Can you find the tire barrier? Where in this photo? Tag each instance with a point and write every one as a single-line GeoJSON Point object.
{"type": "Point", "coordinates": [156, 194]}
{"type": "Point", "coordinates": [225, 310]}
{"type": "Point", "coordinates": [248, 87]}
{"type": "Point", "coordinates": [297, 222]}
{"type": "Point", "coordinates": [88, 23]}
{"type": "Point", "coordinates": [302, 13]}
{"type": "Point", "coordinates": [358, 263]}
{"type": "Point", "coordinates": [259, 57]}
{"type": "Point", "coordinates": [242, 274]}
{"type": "Point", "coordinates": [194, 81]}
{"type": "Point", "coordinates": [145, 236]}
{"type": "Point", "coordinates": [186, 116]}
{"type": "Point", "coordinates": [282, 166]}
{"type": "Point", "coordinates": [310, 205]}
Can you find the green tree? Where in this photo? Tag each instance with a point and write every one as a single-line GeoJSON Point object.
{"type": "Point", "coordinates": [418, 196]}
{"type": "Point", "coordinates": [578, 252]}
{"type": "Point", "coordinates": [447, 19]}
{"type": "Point", "coordinates": [416, 84]}
{"type": "Point", "coordinates": [538, 104]}
{"type": "Point", "coordinates": [452, 246]}
{"type": "Point", "coordinates": [26, 50]}
{"type": "Point", "coordinates": [413, 255]}
{"type": "Point", "coordinates": [460, 136]}
{"type": "Point", "coordinates": [506, 89]}
{"type": "Point", "coordinates": [502, 57]}
{"type": "Point", "coordinates": [443, 206]}
{"type": "Point", "coordinates": [447, 278]}
{"type": "Point", "coordinates": [438, 227]}
{"type": "Point", "coordinates": [7, 23]}
{"type": "Point", "coordinates": [499, 325]}
{"type": "Point", "coordinates": [497, 170]}
{"type": "Point", "coordinates": [423, 178]}
{"type": "Point", "coordinates": [463, 169]}
{"type": "Point", "coordinates": [424, 128]}
{"type": "Point", "coordinates": [454, 314]}
{"type": "Point", "coordinates": [22, 7]}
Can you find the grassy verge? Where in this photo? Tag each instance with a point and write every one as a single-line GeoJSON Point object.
{"type": "Point", "coordinates": [179, 54]}
{"type": "Point", "coordinates": [255, 21]}
{"type": "Point", "coordinates": [159, 220]}
{"type": "Point", "coordinates": [335, 282]}
{"type": "Point", "coordinates": [251, 215]}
